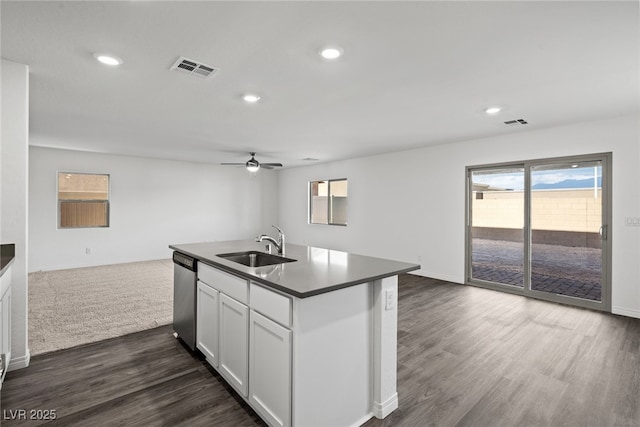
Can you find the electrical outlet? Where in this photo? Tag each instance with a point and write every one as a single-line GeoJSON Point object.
{"type": "Point", "coordinates": [88, 251]}
{"type": "Point", "coordinates": [390, 300]}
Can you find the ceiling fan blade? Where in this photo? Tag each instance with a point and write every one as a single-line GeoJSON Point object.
{"type": "Point", "coordinates": [254, 163]}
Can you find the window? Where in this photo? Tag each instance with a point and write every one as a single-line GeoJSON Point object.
{"type": "Point", "coordinates": [83, 200]}
{"type": "Point", "coordinates": [328, 202]}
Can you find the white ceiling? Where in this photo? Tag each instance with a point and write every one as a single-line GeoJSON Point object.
{"type": "Point", "coordinates": [413, 73]}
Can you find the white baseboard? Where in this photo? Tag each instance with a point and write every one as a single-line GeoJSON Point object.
{"type": "Point", "coordinates": [362, 420]}
{"type": "Point", "coordinates": [437, 276]}
{"type": "Point", "coordinates": [41, 268]}
{"type": "Point", "coordinates": [382, 409]}
{"type": "Point", "coordinates": [19, 362]}
{"type": "Point", "coordinates": [626, 312]}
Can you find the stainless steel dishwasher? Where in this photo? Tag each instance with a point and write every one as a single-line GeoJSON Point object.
{"type": "Point", "coordinates": [184, 298]}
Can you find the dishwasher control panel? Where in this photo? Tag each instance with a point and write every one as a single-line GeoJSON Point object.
{"type": "Point", "coordinates": [185, 261]}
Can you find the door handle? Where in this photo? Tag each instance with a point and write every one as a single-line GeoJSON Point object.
{"type": "Point", "coordinates": [603, 232]}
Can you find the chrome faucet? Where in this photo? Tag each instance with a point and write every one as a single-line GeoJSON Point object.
{"type": "Point", "coordinates": [278, 243]}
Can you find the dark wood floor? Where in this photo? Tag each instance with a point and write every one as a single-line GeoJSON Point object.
{"type": "Point", "coordinates": [466, 356]}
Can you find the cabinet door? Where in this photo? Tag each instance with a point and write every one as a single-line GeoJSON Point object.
{"type": "Point", "coordinates": [234, 343]}
{"type": "Point", "coordinates": [207, 303]}
{"type": "Point", "coordinates": [6, 326]}
{"type": "Point", "coordinates": [270, 370]}
{"type": "Point", "coordinates": [2, 328]}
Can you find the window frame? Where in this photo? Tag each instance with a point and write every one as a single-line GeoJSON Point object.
{"type": "Point", "coordinates": [310, 201]}
{"type": "Point", "coordinates": [60, 202]}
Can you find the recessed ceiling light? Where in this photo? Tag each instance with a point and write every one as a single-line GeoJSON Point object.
{"type": "Point", "coordinates": [251, 98]}
{"type": "Point", "coordinates": [108, 59]}
{"type": "Point", "coordinates": [332, 52]}
{"type": "Point", "coordinates": [493, 110]}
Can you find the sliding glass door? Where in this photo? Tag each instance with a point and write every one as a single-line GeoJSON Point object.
{"type": "Point", "coordinates": [567, 229]}
{"type": "Point", "coordinates": [539, 228]}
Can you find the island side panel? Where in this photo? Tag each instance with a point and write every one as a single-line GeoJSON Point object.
{"type": "Point", "coordinates": [333, 358]}
{"type": "Point", "coordinates": [385, 346]}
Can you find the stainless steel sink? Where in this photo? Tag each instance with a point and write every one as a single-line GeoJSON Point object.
{"type": "Point", "coordinates": [255, 258]}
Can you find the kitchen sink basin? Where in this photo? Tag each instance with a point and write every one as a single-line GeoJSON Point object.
{"type": "Point", "coordinates": [255, 258]}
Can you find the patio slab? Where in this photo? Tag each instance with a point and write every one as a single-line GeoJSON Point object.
{"type": "Point", "coordinates": [561, 270]}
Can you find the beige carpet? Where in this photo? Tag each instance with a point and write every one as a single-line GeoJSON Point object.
{"type": "Point", "coordinates": [82, 305]}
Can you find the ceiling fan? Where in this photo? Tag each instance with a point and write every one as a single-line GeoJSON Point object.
{"type": "Point", "coordinates": [253, 165]}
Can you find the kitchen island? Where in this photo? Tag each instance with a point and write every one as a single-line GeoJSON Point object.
{"type": "Point", "coordinates": [7, 256]}
{"type": "Point", "coordinates": [311, 341]}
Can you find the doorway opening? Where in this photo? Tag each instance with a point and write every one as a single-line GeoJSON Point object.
{"type": "Point", "coordinates": [539, 228]}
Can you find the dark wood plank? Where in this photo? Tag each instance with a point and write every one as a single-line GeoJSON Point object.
{"type": "Point", "coordinates": [147, 378]}
{"type": "Point", "coordinates": [475, 357]}
{"type": "Point", "coordinates": [466, 357]}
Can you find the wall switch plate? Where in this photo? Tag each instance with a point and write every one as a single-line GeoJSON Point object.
{"type": "Point", "coordinates": [632, 221]}
{"type": "Point", "coordinates": [390, 300]}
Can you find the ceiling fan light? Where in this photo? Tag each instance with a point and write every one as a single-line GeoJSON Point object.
{"type": "Point", "coordinates": [252, 165]}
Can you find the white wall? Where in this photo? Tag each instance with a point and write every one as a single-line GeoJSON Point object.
{"type": "Point", "coordinates": [153, 203]}
{"type": "Point", "coordinates": [410, 205]}
{"type": "Point", "coordinates": [14, 182]}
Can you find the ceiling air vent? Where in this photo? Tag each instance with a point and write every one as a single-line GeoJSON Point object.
{"type": "Point", "coordinates": [515, 122]}
{"type": "Point", "coordinates": [196, 69]}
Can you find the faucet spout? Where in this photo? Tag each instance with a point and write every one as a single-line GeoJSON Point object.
{"type": "Point", "coordinates": [279, 244]}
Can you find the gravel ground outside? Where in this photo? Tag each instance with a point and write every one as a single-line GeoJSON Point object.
{"type": "Point", "coordinates": [562, 270]}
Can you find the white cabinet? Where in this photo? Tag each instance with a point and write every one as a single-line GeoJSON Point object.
{"type": "Point", "coordinates": [231, 335]}
{"type": "Point", "coordinates": [234, 343]}
{"type": "Point", "coordinates": [5, 320]}
{"type": "Point", "coordinates": [207, 301]}
{"type": "Point", "coordinates": [230, 285]}
{"type": "Point", "coordinates": [222, 324]}
{"type": "Point", "coordinates": [6, 326]}
{"type": "Point", "coordinates": [273, 305]}
{"type": "Point", "coordinates": [324, 360]}
{"type": "Point", "coordinates": [270, 370]}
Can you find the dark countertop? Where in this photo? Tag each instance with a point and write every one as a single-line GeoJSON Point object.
{"type": "Point", "coordinates": [315, 271]}
{"type": "Point", "coordinates": [7, 255]}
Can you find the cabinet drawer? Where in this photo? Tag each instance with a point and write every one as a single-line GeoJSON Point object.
{"type": "Point", "coordinates": [271, 304]}
{"type": "Point", "coordinates": [226, 283]}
